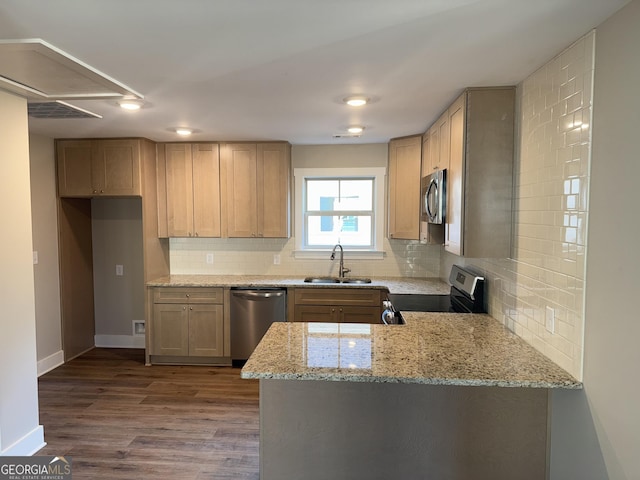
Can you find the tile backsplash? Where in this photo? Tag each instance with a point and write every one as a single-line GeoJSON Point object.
{"type": "Point", "coordinates": [252, 256]}
{"type": "Point", "coordinates": [547, 268]}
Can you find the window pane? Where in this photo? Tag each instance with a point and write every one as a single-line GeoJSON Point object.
{"type": "Point", "coordinates": [325, 230]}
{"type": "Point", "coordinates": [339, 195]}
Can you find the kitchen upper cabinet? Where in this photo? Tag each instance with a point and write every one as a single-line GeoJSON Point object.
{"type": "Point", "coordinates": [480, 174]}
{"type": "Point", "coordinates": [189, 190]}
{"type": "Point", "coordinates": [405, 156]}
{"type": "Point", "coordinates": [88, 168]}
{"type": "Point", "coordinates": [256, 189]}
{"type": "Point", "coordinates": [437, 156]}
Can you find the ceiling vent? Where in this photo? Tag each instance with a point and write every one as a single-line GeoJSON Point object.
{"type": "Point", "coordinates": [40, 71]}
{"type": "Point", "coordinates": [58, 110]}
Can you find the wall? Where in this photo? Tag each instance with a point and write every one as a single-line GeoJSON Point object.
{"type": "Point", "coordinates": [256, 256]}
{"type": "Point", "coordinates": [116, 225]}
{"type": "Point", "coordinates": [45, 242]}
{"type": "Point", "coordinates": [20, 433]}
{"type": "Point", "coordinates": [547, 267]}
{"type": "Point", "coordinates": [596, 433]}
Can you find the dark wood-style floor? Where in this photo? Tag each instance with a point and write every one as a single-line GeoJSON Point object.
{"type": "Point", "coordinates": [118, 419]}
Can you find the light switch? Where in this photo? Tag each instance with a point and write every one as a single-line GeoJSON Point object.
{"type": "Point", "coordinates": [209, 258]}
{"type": "Point", "coordinates": [276, 259]}
{"type": "Point", "coordinates": [550, 320]}
{"type": "Point", "coordinates": [119, 270]}
{"type": "Point", "coordinates": [35, 257]}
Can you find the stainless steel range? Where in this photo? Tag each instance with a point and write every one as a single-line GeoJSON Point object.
{"type": "Point", "coordinates": [467, 295]}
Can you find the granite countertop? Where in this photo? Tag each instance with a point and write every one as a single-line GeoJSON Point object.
{"type": "Point", "coordinates": [393, 284]}
{"type": "Point", "coordinates": [432, 348]}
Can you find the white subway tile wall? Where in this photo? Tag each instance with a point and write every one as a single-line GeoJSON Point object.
{"type": "Point", "coordinates": [551, 207]}
{"type": "Point", "coordinates": [252, 256]}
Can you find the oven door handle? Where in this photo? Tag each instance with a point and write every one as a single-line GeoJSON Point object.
{"type": "Point", "coordinates": [432, 192]}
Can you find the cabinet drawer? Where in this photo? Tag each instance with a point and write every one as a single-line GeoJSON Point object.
{"type": "Point", "coordinates": [187, 295]}
{"type": "Point", "coordinates": [337, 296]}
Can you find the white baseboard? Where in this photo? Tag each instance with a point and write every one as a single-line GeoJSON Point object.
{"type": "Point", "coordinates": [119, 341]}
{"type": "Point", "coordinates": [49, 363]}
{"type": "Point", "coordinates": [27, 445]}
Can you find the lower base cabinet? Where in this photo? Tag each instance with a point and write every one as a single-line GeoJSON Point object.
{"type": "Point", "coordinates": [187, 326]}
{"type": "Point", "coordinates": [338, 305]}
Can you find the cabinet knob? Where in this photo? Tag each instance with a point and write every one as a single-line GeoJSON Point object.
{"type": "Point", "coordinates": [190, 308]}
{"type": "Point", "coordinates": [184, 308]}
{"type": "Point", "coordinates": [190, 234]}
{"type": "Point", "coordinates": [253, 234]}
{"type": "Point", "coordinates": [333, 310]}
{"type": "Point", "coordinates": [187, 295]}
{"type": "Point", "coordinates": [260, 235]}
{"type": "Point", "coordinates": [101, 191]}
{"type": "Point", "coordinates": [196, 234]}
{"type": "Point", "coordinates": [95, 191]}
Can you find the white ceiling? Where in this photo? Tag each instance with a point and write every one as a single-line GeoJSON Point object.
{"type": "Point", "coordinates": [278, 69]}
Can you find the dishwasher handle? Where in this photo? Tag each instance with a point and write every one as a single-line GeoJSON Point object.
{"type": "Point", "coordinates": [258, 293]}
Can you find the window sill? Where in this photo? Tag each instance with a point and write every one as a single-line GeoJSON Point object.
{"type": "Point", "coordinates": [351, 254]}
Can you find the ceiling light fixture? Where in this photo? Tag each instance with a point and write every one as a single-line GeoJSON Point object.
{"type": "Point", "coordinates": [356, 101]}
{"type": "Point", "coordinates": [130, 104]}
{"type": "Point", "coordinates": [184, 131]}
{"type": "Point", "coordinates": [355, 129]}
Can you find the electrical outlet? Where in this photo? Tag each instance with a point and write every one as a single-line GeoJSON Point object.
{"type": "Point", "coordinates": [276, 259]}
{"type": "Point", "coordinates": [550, 319]}
{"type": "Point", "coordinates": [209, 258]}
{"type": "Point", "coordinates": [119, 270]}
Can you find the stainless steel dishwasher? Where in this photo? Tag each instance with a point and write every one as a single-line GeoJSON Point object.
{"type": "Point", "coordinates": [252, 313]}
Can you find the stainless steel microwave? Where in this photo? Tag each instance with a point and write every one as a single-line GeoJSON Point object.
{"type": "Point", "coordinates": [433, 197]}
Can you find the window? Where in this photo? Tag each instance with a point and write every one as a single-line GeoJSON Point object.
{"type": "Point", "coordinates": [343, 206]}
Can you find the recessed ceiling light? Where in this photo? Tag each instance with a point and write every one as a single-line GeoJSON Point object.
{"type": "Point", "coordinates": [130, 104]}
{"type": "Point", "coordinates": [184, 131]}
{"type": "Point", "coordinates": [356, 101]}
{"type": "Point", "coordinates": [355, 129]}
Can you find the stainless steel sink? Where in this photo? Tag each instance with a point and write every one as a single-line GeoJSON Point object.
{"type": "Point", "coordinates": [336, 280]}
{"type": "Point", "coordinates": [322, 280]}
{"type": "Point", "coordinates": [356, 280]}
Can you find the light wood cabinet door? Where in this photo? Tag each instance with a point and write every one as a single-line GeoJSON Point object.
{"type": "Point", "coordinates": [240, 164]}
{"type": "Point", "coordinates": [440, 159]}
{"type": "Point", "coordinates": [116, 168]}
{"type": "Point", "coordinates": [273, 175]}
{"type": "Point", "coordinates": [179, 189]}
{"type": "Point", "coordinates": [206, 330]}
{"type": "Point", "coordinates": [89, 168]}
{"type": "Point", "coordinates": [74, 161]}
{"type": "Point", "coordinates": [170, 330]}
{"type": "Point", "coordinates": [206, 190]}
{"type": "Point", "coordinates": [455, 187]}
{"type": "Point", "coordinates": [256, 198]}
{"type": "Point", "coordinates": [188, 190]}
{"type": "Point", "coordinates": [404, 187]}
{"type": "Point", "coordinates": [425, 164]}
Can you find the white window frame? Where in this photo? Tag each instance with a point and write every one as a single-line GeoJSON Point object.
{"type": "Point", "coordinates": [377, 173]}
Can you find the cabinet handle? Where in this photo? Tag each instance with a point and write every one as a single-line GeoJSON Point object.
{"type": "Point", "coordinates": [196, 234]}
{"type": "Point", "coordinates": [190, 234]}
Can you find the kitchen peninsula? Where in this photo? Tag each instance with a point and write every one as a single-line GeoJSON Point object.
{"type": "Point", "coordinates": [446, 396]}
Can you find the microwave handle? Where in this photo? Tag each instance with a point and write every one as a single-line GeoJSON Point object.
{"type": "Point", "coordinates": [427, 199]}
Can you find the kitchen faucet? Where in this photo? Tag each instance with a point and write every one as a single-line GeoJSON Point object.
{"type": "Point", "coordinates": [333, 257]}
